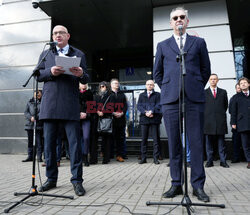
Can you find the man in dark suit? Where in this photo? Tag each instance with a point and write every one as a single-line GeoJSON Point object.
{"type": "Point", "coordinates": [240, 116]}
{"type": "Point", "coordinates": [167, 75]}
{"type": "Point", "coordinates": [150, 118]}
{"type": "Point", "coordinates": [235, 135]}
{"type": "Point", "coordinates": [60, 107]}
{"type": "Point", "coordinates": [119, 118]}
{"type": "Point", "coordinates": [215, 126]}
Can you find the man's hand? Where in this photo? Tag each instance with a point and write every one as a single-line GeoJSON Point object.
{"type": "Point", "coordinates": [100, 113]}
{"type": "Point", "coordinates": [32, 119]}
{"type": "Point", "coordinates": [76, 71]}
{"type": "Point", "coordinates": [57, 70]}
{"type": "Point", "coordinates": [234, 126]}
{"type": "Point", "coordinates": [118, 114]}
{"type": "Point", "coordinates": [83, 115]}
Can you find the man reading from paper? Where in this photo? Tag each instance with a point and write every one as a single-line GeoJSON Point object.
{"type": "Point", "coordinates": [60, 107]}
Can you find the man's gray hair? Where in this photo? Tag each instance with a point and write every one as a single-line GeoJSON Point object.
{"type": "Point", "coordinates": [179, 8]}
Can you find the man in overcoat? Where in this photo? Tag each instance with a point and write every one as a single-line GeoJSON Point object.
{"type": "Point", "coordinates": [240, 116]}
{"type": "Point", "coordinates": [150, 118]}
{"type": "Point", "coordinates": [167, 75]}
{"type": "Point", "coordinates": [60, 107]}
{"type": "Point", "coordinates": [215, 126]}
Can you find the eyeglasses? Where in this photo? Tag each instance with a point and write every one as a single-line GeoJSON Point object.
{"type": "Point", "coordinates": [59, 32]}
{"type": "Point", "coordinates": [102, 86]}
{"type": "Point", "coordinates": [182, 17]}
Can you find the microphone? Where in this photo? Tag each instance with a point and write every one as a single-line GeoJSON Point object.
{"type": "Point", "coordinates": [54, 43]}
{"type": "Point", "coordinates": [180, 29]}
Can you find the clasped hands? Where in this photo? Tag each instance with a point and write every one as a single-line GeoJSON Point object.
{"type": "Point", "coordinates": [149, 114]}
{"type": "Point", "coordinates": [58, 70]}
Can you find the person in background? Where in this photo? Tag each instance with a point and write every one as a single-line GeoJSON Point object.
{"type": "Point", "coordinates": [235, 135]}
{"type": "Point", "coordinates": [150, 118]}
{"type": "Point", "coordinates": [103, 111]}
{"type": "Point", "coordinates": [240, 116]}
{"type": "Point", "coordinates": [29, 115]}
{"type": "Point", "coordinates": [119, 118]}
{"type": "Point", "coordinates": [215, 125]}
{"type": "Point", "coordinates": [85, 96]}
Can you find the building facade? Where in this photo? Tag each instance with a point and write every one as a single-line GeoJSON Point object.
{"type": "Point", "coordinates": [119, 39]}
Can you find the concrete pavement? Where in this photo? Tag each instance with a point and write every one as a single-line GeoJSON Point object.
{"type": "Point", "coordinates": [127, 183]}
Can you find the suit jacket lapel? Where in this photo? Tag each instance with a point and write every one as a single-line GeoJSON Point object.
{"type": "Point", "coordinates": [173, 45]}
{"type": "Point", "coordinates": [189, 42]}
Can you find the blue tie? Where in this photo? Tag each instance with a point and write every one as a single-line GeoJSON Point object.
{"type": "Point", "coordinates": [61, 50]}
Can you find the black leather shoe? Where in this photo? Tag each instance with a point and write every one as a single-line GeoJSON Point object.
{"type": "Point", "coordinates": [235, 161]}
{"type": "Point", "coordinates": [172, 192]}
{"type": "Point", "coordinates": [79, 190]}
{"type": "Point", "coordinates": [27, 159]}
{"type": "Point", "coordinates": [142, 161]}
{"type": "Point", "coordinates": [47, 186]}
{"type": "Point", "coordinates": [224, 164]}
{"type": "Point", "coordinates": [156, 161]}
{"type": "Point", "coordinates": [209, 164]}
{"type": "Point", "coordinates": [201, 195]}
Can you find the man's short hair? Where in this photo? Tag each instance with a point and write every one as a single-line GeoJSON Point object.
{"type": "Point", "coordinates": [114, 79]}
{"type": "Point", "coordinates": [214, 74]}
{"type": "Point", "coordinates": [243, 78]}
{"type": "Point", "coordinates": [179, 8]}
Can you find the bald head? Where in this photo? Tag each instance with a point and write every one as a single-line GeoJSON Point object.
{"type": "Point", "coordinates": [150, 84]}
{"type": "Point", "coordinates": [60, 35]}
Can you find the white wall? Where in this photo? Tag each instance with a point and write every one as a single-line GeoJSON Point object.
{"type": "Point", "coordinates": [208, 20]}
{"type": "Point", "coordinates": [23, 33]}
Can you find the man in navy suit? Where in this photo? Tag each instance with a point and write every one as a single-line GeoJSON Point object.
{"type": "Point", "coordinates": [60, 107]}
{"type": "Point", "coordinates": [167, 75]}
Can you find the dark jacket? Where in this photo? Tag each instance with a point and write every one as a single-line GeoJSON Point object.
{"type": "Point", "coordinates": [60, 93]}
{"type": "Point", "coordinates": [167, 69]}
{"type": "Point", "coordinates": [215, 119]}
{"type": "Point", "coordinates": [119, 102]}
{"type": "Point", "coordinates": [152, 103]}
{"type": "Point", "coordinates": [29, 112]}
{"type": "Point", "coordinates": [85, 98]}
{"type": "Point", "coordinates": [240, 112]}
{"type": "Point", "coordinates": [99, 105]}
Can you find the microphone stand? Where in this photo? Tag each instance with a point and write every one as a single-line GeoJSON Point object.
{"type": "Point", "coordinates": [186, 201]}
{"type": "Point", "coordinates": [33, 190]}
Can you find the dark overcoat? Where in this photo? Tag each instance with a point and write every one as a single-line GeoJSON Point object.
{"type": "Point", "coordinates": [240, 112]}
{"type": "Point", "coordinates": [151, 103]}
{"type": "Point", "coordinates": [60, 93]}
{"type": "Point", "coordinates": [215, 118]}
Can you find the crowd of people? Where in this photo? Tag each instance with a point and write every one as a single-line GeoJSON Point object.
{"type": "Point", "coordinates": [67, 106]}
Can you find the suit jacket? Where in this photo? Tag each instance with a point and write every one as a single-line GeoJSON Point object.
{"type": "Point", "coordinates": [240, 112]}
{"type": "Point", "coordinates": [215, 118]}
{"type": "Point", "coordinates": [146, 104]}
{"type": "Point", "coordinates": [60, 98]}
{"type": "Point", "coordinates": [167, 69]}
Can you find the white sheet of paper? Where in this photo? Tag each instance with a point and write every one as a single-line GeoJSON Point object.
{"type": "Point", "coordinates": [67, 62]}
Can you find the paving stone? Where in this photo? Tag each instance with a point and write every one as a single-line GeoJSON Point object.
{"type": "Point", "coordinates": [127, 183]}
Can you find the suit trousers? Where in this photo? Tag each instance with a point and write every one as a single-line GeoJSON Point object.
{"type": "Point", "coordinates": [245, 139]}
{"type": "Point", "coordinates": [221, 147]}
{"type": "Point", "coordinates": [39, 147]}
{"type": "Point", "coordinates": [236, 145]}
{"type": "Point", "coordinates": [144, 143]}
{"type": "Point", "coordinates": [85, 136]}
{"type": "Point", "coordinates": [72, 129]}
{"type": "Point", "coordinates": [194, 129]}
